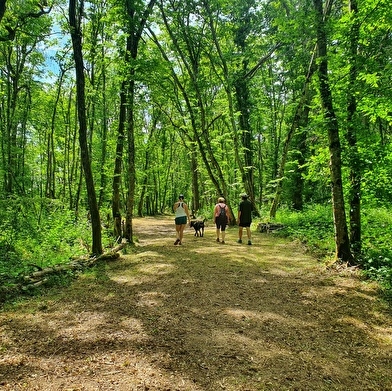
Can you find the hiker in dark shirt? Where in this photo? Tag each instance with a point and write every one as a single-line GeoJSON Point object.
{"type": "Point", "coordinates": [244, 218]}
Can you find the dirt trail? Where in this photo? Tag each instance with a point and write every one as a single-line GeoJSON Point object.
{"type": "Point", "coordinates": [201, 317]}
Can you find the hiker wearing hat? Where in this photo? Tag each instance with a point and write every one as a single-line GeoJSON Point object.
{"type": "Point", "coordinates": [244, 218]}
{"type": "Point", "coordinates": [181, 214]}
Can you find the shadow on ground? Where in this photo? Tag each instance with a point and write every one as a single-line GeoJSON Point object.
{"type": "Point", "coordinates": [202, 316]}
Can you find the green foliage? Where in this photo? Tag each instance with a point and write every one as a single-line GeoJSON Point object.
{"type": "Point", "coordinates": [185, 108]}
{"type": "Point", "coordinates": [376, 257]}
{"type": "Point", "coordinates": [313, 227]}
{"type": "Point", "coordinates": [376, 183]}
{"type": "Point", "coordinates": [36, 234]}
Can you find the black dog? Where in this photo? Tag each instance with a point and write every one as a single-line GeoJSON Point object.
{"type": "Point", "coordinates": [198, 225]}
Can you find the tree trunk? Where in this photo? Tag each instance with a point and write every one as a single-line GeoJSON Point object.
{"type": "Point", "coordinates": [343, 252]}
{"type": "Point", "coordinates": [118, 166]}
{"type": "Point", "coordinates": [81, 102]}
{"type": "Point", "coordinates": [135, 30]}
{"type": "Point", "coordinates": [50, 191]}
{"type": "Point", "coordinates": [197, 117]}
{"type": "Point", "coordinates": [195, 181]}
{"type": "Point", "coordinates": [104, 129]}
{"type": "Point", "coordinates": [352, 126]}
{"type": "Point", "coordinates": [300, 112]}
{"type": "Point", "coordinates": [128, 234]}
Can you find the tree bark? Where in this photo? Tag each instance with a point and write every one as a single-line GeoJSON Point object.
{"type": "Point", "coordinates": [76, 36]}
{"type": "Point", "coordinates": [118, 166]}
{"type": "Point", "coordinates": [352, 126]}
{"type": "Point", "coordinates": [343, 252]}
{"type": "Point", "coordinates": [2, 8]}
{"type": "Point", "coordinates": [128, 234]}
{"type": "Point", "coordinates": [197, 116]}
{"type": "Point", "coordinates": [126, 123]}
{"type": "Point", "coordinates": [135, 30]}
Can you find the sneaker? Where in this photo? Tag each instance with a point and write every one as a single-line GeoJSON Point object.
{"type": "Point", "coordinates": [179, 243]}
{"type": "Point", "coordinates": [249, 242]}
{"type": "Point", "coordinates": [223, 242]}
{"type": "Point", "coordinates": [176, 242]}
{"type": "Point", "coordinates": [239, 241]}
{"type": "Point", "coordinates": [217, 239]}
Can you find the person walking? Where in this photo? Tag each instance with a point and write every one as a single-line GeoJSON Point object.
{"type": "Point", "coordinates": [221, 219]}
{"type": "Point", "coordinates": [244, 218]}
{"type": "Point", "coordinates": [181, 214]}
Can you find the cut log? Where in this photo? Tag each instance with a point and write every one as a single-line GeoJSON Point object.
{"type": "Point", "coordinates": [39, 277]}
{"type": "Point", "coordinates": [268, 227]}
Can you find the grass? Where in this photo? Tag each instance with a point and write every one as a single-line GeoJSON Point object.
{"type": "Point", "coordinates": [202, 317]}
{"type": "Point", "coordinates": [314, 228]}
{"type": "Point", "coordinates": [46, 235]}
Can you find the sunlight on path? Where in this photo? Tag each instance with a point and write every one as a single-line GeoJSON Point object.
{"type": "Point", "coordinates": [160, 231]}
{"type": "Point", "coordinates": [201, 317]}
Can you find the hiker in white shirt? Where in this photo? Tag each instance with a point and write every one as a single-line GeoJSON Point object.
{"type": "Point", "coordinates": [181, 214]}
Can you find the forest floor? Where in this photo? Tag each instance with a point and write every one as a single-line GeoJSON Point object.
{"type": "Point", "coordinates": [202, 316]}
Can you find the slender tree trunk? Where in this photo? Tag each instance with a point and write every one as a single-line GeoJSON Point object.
{"type": "Point", "coordinates": [13, 89]}
{"type": "Point", "coordinates": [145, 180]}
{"type": "Point", "coordinates": [195, 180]}
{"type": "Point", "coordinates": [76, 36]}
{"type": "Point", "coordinates": [352, 126]}
{"type": "Point", "coordinates": [104, 129]}
{"type": "Point", "coordinates": [298, 117]}
{"type": "Point", "coordinates": [131, 159]}
{"type": "Point", "coordinates": [50, 191]}
{"type": "Point", "coordinates": [260, 164]}
{"type": "Point", "coordinates": [2, 9]}
{"type": "Point", "coordinates": [343, 252]}
{"type": "Point", "coordinates": [118, 166]}
{"type": "Point", "coordinates": [135, 30]}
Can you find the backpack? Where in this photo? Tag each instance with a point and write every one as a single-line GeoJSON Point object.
{"type": "Point", "coordinates": [222, 211]}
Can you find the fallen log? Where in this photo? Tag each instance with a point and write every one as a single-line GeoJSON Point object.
{"type": "Point", "coordinates": [34, 284]}
{"type": "Point", "coordinates": [40, 277]}
{"type": "Point", "coordinates": [104, 257]}
{"type": "Point", "coordinates": [268, 227]}
{"type": "Point", "coordinates": [119, 247]}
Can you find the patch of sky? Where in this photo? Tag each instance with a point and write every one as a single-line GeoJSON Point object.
{"type": "Point", "coordinates": [54, 49]}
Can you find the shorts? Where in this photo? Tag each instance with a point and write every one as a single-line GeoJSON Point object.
{"type": "Point", "coordinates": [180, 220]}
{"type": "Point", "coordinates": [241, 224]}
{"type": "Point", "coordinates": [221, 223]}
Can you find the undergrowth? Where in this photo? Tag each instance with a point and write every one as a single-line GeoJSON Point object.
{"type": "Point", "coordinates": [39, 234]}
{"type": "Point", "coordinates": [314, 228]}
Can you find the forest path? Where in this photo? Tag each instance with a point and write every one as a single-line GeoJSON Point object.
{"type": "Point", "coordinates": [201, 317]}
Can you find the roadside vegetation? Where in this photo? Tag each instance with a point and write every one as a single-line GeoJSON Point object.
{"type": "Point", "coordinates": [110, 110]}
{"type": "Point", "coordinates": [313, 227]}
{"type": "Point", "coordinates": [37, 235]}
